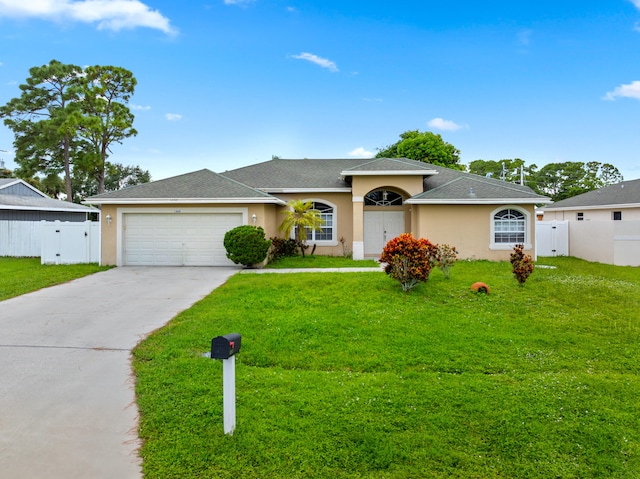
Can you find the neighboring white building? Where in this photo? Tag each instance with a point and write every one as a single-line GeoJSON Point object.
{"type": "Point", "coordinates": [604, 224]}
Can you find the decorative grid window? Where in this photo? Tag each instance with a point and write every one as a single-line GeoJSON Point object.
{"type": "Point", "coordinates": [382, 198]}
{"type": "Point", "coordinates": [617, 215]}
{"type": "Point", "coordinates": [509, 226]}
{"type": "Point", "coordinates": [580, 216]}
{"type": "Point", "coordinates": [326, 233]}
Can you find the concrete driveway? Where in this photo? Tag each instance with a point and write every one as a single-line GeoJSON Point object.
{"type": "Point", "coordinates": [67, 404]}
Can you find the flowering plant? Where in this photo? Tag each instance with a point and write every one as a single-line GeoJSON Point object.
{"type": "Point", "coordinates": [408, 260]}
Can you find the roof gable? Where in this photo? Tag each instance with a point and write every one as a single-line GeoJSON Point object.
{"type": "Point", "coordinates": [16, 186]}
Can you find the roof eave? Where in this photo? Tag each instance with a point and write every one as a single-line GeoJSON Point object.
{"type": "Point", "coordinates": [57, 210]}
{"type": "Point", "coordinates": [196, 201]}
{"type": "Point", "coordinates": [478, 201]}
{"type": "Point", "coordinates": [388, 173]}
{"type": "Point", "coordinates": [593, 207]}
{"type": "Point", "coordinates": [305, 190]}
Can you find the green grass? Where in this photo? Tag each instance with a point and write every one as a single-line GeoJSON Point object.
{"type": "Point", "coordinates": [313, 261]}
{"type": "Point", "coordinates": [23, 275]}
{"type": "Point", "coordinates": [345, 376]}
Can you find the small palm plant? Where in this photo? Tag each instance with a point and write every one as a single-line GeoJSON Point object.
{"type": "Point", "coordinates": [298, 218]}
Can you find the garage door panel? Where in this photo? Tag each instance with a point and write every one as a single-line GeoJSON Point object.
{"type": "Point", "coordinates": [168, 239]}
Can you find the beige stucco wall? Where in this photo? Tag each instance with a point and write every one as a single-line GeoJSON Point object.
{"type": "Point", "coordinates": [405, 185]}
{"type": "Point", "coordinates": [265, 214]}
{"type": "Point", "coordinates": [342, 213]}
{"type": "Point", "coordinates": [468, 228]}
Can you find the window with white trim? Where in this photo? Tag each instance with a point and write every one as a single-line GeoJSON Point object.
{"type": "Point", "coordinates": [327, 231]}
{"type": "Point", "coordinates": [509, 226]}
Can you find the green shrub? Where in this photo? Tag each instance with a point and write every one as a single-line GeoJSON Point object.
{"type": "Point", "coordinates": [522, 264]}
{"type": "Point", "coordinates": [408, 260]}
{"type": "Point", "coordinates": [246, 245]}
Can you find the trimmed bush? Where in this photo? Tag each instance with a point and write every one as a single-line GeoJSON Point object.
{"type": "Point", "coordinates": [246, 245]}
{"type": "Point", "coordinates": [522, 264]}
{"type": "Point", "coordinates": [408, 260]}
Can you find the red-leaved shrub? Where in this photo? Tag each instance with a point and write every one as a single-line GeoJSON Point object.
{"type": "Point", "coordinates": [408, 260]}
{"type": "Point", "coordinates": [522, 264]}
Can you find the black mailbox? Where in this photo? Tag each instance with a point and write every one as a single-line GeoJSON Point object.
{"type": "Point", "coordinates": [223, 347]}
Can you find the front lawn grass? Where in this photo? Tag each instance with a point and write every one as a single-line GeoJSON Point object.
{"type": "Point", "coordinates": [346, 376]}
{"type": "Point", "coordinates": [313, 261]}
{"type": "Point", "coordinates": [24, 275]}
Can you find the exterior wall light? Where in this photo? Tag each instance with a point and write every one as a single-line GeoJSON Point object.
{"type": "Point", "coordinates": [108, 218]}
{"type": "Point", "coordinates": [254, 218]}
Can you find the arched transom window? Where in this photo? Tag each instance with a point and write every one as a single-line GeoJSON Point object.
{"type": "Point", "coordinates": [509, 226]}
{"type": "Point", "coordinates": [383, 197]}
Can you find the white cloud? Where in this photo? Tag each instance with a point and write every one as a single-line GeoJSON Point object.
{"type": "Point", "coordinates": [237, 2]}
{"type": "Point", "coordinates": [323, 62]}
{"type": "Point", "coordinates": [173, 116]}
{"type": "Point", "coordinates": [107, 14]}
{"type": "Point", "coordinates": [442, 124]}
{"type": "Point", "coordinates": [632, 90]}
{"type": "Point", "coordinates": [636, 26]}
{"type": "Point", "coordinates": [373, 100]}
{"type": "Point", "coordinates": [139, 107]}
{"type": "Point", "coordinates": [636, 3]}
{"type": "Point", "coordinates": [360, 152]}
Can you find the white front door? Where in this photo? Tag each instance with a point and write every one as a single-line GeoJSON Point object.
{"type": "Point", "coordinates": [379, 228]}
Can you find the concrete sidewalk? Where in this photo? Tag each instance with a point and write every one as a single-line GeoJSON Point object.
{"type": "Point", "coordinates": [67, 404]}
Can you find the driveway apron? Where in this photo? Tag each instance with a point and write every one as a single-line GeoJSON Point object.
{"type": "Point", "coordinates": [67, 401]}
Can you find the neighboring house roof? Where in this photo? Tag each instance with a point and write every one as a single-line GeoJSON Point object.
{"type": "Point", "coordinates": [41, 202]}
{"type": "Point", "coordinates": [203, 186]}
{"type": "Point", "coordinates": [458, 187]}
{"type": "Point", "coordinates": [621, 195]}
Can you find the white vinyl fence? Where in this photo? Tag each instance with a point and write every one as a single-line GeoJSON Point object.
{"type": "Point", "coordinates": [68, 242]}
{"type": "Point", "coordinates": [20, 238]}
{"type": "Point", "coordinates": [552, 238]}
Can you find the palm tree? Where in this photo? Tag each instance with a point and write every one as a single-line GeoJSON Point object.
{"type": "Point", "coordinates": [298, 218]}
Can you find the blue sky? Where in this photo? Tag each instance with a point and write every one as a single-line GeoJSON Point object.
{"type": "Point", "coordinates": [228, 83]}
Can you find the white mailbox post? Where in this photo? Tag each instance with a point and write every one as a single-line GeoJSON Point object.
{"type": "Point", "coordinates": [225, 348]}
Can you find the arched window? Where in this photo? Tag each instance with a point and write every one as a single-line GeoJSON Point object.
{"type": "Point", "coordinates": [327, 231]}
{"type": "Point", "coordinates": [509, 227]}
{"type": "Point", "coordinates": [382, 197]}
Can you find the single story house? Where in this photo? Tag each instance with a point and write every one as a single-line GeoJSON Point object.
{"type": "Point", "coordinates": [364, 203]}
{"type": "Point", "coordinates": [23, 208]}
{"type": "Point", "coordinates": [604, 224]}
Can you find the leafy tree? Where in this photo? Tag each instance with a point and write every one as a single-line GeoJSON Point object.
{"type": "Point", "coordinates": [44, 137]}
{"type": "Point", "coordinates": [104, 118]}
{"type": "Point", "coordinates": [506, 170]}
{"type": "Point", "coordinates": [564, 180]}
{"type": "Point", "coordinates": [298, 218]}
{"type": "Point", "coordinates": [423, 146]}
{"type": "Point", "coordinates": [117, 176]}
{"type": "Point", "coordinates": [67, 118]}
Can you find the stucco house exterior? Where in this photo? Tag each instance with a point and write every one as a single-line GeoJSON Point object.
{"type": "Point", "coordinates": [604, 224]}
{"type": "Point", "coordinates": [364, 202]}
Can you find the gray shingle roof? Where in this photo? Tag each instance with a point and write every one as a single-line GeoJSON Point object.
{"type": "Point", "coordinates": [391, 165]}
{"type": "Point", "coordinates": [37, 203]}
{"type": "Point", "coordinates": [461, 187]}
{"type": "Point", "coordinates": [624, 193]}
{"type": "Point", "coordinates": [15, 202]}
{"type": "Point", "coordinates": [198, 185]}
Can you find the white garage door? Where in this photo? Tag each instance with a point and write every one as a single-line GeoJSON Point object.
{"type": "Point", "coordinates": [178, 239]}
